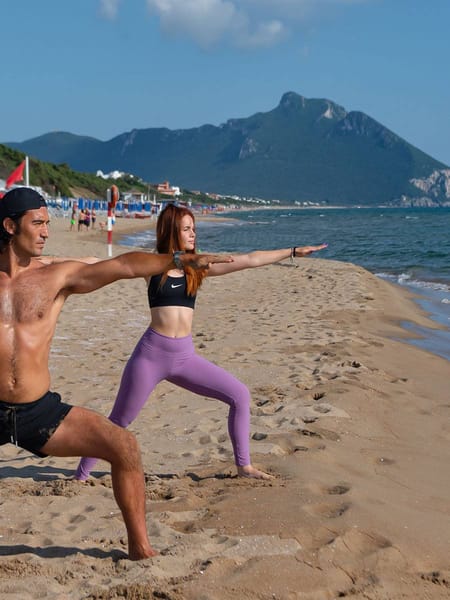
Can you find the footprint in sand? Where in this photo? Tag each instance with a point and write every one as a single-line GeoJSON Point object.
{"type": "Point", "coordinates": [59, 487]}
{"type": "Point", "coordinates": [328, 510]}
{"type": "Point", "coordinates": [288, 444]}
{"type": "Point", "coordinates": [158, 490]}
{"type": "Point", "coordinates": [326, 434]}
{"type": "Point", "coordinates": [356, 549]}
{"type": "Point", "coordinates": [309, 419]}
{"type": "Point", "coordinates": [15, 567]}
{"type": "Point", "coordinates": [337, 490]}
{"type": "Point", "coordinates": [437, 577]}
{"type": "Point", "coordinates": [323, 408]}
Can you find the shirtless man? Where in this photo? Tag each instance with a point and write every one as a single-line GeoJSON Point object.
{"type": "Point", "coordinates": [32, 295]}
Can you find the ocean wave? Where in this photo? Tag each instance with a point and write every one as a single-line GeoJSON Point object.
{"type": "Point", "coordinates": [259, 222]}
{"type": "Point", "coordinates": [144, 239]}
{"type": "Point", "coordinates": [406, 279]}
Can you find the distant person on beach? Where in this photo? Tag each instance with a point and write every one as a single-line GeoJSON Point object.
{"type": "Point", "coordinates": [32, 295]}
{"type": "Point", "coordinates": [81, 220]}
{"type": "Point", "coordinates": [73, 219]}
{"type": "Point", "coordinates": [166, 350]}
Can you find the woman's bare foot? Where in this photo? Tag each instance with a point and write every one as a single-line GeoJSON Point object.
{"type": "Point", "coordinates": [252, 473]}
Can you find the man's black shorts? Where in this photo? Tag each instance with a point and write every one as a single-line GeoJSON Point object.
{"type": "Point", "coordinates": [30, 425]}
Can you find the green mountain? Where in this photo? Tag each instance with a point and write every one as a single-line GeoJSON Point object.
{"type": "Point", "coordinates": [302, 150]}
{"type": "Point", "coordinates": [61, 180]}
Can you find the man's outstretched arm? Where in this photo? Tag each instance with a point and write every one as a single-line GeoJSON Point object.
{"type": "Point", "coordinates": [50, 260]}
{"type": "Point", "coordinates": [83, 278]}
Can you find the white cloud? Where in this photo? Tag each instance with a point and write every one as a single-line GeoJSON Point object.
{"type": "Point", "coordinates": [241, 23]}
{"type": "Point", "coordinates": [206, 21]}
{"type": "Point", "coordinates": [209, 22]}
{"type": "Point", "coordinates": [109, 8]}
{"type": "Point", "coordinates": [263, 34]}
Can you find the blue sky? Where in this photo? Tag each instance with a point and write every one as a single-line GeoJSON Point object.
{"type": "Point", "coordinates": [104, 67]}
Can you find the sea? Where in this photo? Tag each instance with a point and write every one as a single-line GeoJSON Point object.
{"type": "Point", "coordinates": [410, 247]}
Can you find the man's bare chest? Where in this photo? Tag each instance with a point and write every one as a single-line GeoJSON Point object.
{"type": "Point", "coordinates": [24, 301]}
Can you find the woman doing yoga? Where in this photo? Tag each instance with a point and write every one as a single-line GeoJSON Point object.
{"type": "Point", "coordinates": [166, 350]}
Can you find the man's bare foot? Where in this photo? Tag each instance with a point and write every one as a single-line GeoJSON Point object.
{"type": "Point", "coordinates": [142, 554]}
{"type": "Point", "coordinates": [252, 473]}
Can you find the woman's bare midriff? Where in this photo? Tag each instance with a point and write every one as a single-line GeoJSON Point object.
{"type": "Point", "coordinates": [172, 321]}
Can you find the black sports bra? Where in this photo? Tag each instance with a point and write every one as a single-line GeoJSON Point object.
{"type": "Point", "coordinates": [171, 293]}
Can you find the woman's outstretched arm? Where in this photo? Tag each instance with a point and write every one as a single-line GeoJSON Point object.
{"type": "Point", "coordinates": [259, 258]}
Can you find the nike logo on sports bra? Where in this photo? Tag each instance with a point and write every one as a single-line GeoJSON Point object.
{"type": "Point", "coordinates": [175, 286]}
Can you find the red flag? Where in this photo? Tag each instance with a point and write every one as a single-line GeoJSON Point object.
{"type": "Point", "coordinates": [16, 175]}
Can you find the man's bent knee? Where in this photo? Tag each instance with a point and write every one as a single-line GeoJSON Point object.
{"type": "Point", "coordinates": [127, 449]}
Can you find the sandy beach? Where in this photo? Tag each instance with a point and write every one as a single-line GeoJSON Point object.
{"type": "Point", "coordinates": [351, 420]}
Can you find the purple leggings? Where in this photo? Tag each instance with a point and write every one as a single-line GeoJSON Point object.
{"type": "Point", "coordinates": [157, 357]}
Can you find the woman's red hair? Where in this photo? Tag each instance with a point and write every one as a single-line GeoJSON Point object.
{"type": "Point", "coordinates": [168, 240]}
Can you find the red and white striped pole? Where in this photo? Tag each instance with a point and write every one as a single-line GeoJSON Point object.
{"type": "Point", "coordinates": [112, 197]}
{"type": "Point", "coordinates": [109, 229]}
